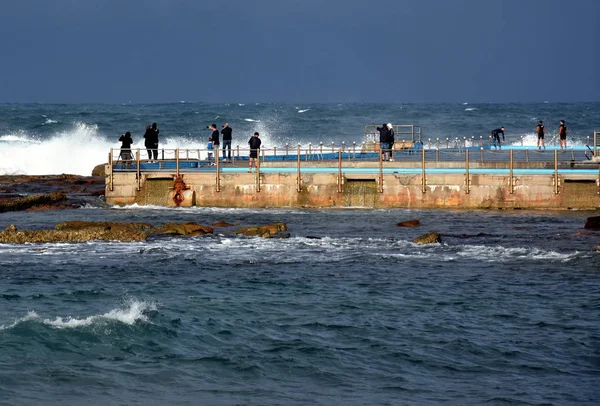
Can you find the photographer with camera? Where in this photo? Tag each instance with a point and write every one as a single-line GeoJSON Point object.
{"type": "Point", "coordinates": [226, 131]}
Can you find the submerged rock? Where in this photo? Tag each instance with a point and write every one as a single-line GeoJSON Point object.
{"type": "Point", "coordinates": [188, 229]}
{"type": "Point", "coordinates": [46, 236]}
{"type": "Point", "coordinates": [592, 223]}
{"type": "Point", "coordinates": [266, 231]}
{"type": "Point", "coordinates": [429, 238]}
{"type": "Point", "coordinates": [107, 225]}
{"type": "Point", "coordinates": [223, 224]}
{"type": "Point", "coordinates": [409, 223]}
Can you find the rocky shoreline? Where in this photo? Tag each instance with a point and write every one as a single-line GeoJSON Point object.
{"type": "Point", "coordinates": [49, 192]}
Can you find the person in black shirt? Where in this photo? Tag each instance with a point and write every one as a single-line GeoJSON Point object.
{"type": "Point", "coordinates": [562, 134]}
{"type": "Point", "coordinates": [215, 138]}
{"type": "Point", "coordinates": [541, 131]}
{"type": "Point", "coordinates": [496, 137]}
{"type": "Point", "coordinates": [148, 140]}
{"type": "Point", "coordinates": [226, 131]}
{"type": "Point", "coordinates": [386, 140]}
{"type": "Point", "coordinates": [254, 143]}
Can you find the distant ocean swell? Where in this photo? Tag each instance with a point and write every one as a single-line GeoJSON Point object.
{"type": "Point", "coordinates": [52, 139]}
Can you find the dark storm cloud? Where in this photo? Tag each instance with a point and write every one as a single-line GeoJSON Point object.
{"type": "Point", "coordinates": [287, 50]}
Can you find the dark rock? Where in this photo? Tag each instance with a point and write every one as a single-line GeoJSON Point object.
{"type": "Point", "coordinates": [223, 224]}
{"type": "Point", "coordinates": [592, 223]}
{"type": "Point", "coordinates": [409, 223]}
{"type": "Point", "coordinates": [11, 228]}
{"type": "Point", "coordinates": [313, 237]}
{"type": "Point", "coordinates": [597, 248]}
{"type": "Point", "coordinates": [429, 238]}
{"type": "Point", "coordinates": [28, 202]}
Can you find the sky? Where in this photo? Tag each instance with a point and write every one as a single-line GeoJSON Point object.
{"type": "Point", "coordinates": [406, 51]}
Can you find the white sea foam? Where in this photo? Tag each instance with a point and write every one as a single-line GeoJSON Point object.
{"type": "Point", "coordinates": [75, 151]}
{"type": "Point", "coordinates": [130, 314]}
{"type": "Point", "coordinates": [303, 110]}
{"type": "Point", "coordinates": [530, 140]}
{"type": "Point", "coordinates": [31, 315]}
{"type": "Point", "coordinates": [507, 254]}
{"type": "Point", "coordinates": [251, 120]}
{"type": "Point", "coordinates": [471, 109]}
{"type": "Point", "coordinates": [49, 121]}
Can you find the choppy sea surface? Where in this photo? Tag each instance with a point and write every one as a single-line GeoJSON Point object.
{"type": "Point", "coordinates": [41, 139]}
{"type": "Point", "coordinates": [347, 311]}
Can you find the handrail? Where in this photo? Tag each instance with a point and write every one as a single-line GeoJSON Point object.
{"type": "Point", "coordinates": [181, 159]}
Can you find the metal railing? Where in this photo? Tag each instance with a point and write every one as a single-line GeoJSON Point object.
{"type": "Point", "coordinates": [343, 161]}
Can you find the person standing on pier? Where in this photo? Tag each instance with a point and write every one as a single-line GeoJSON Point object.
{"type": "Point", "coordinates": [151, 141]}
{"type": "Point", "coordinates": [562, 135]}
{"type": "Point", "coordinates": [215, 138]}
{"type": "Point", "coordinates": [254, 143]}
{"type": "Point", "coordinates": [541, 131]}
{"type": "Point", "coordinates": [125, 154]}
{"type": "Point", "coordinates": [496, 137]}
{"type": "Point", "coordinates": [226, 131]}
{"type": "Point", "coordinates": [385, 140]}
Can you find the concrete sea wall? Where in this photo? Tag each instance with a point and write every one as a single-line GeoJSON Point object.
{"type": "Point", "coordinates": [271, 187]}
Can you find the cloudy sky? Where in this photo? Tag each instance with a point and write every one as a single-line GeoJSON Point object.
{"type": "Point", "coordinates": [148, 51]}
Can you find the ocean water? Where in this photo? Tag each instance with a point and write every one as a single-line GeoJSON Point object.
{"type": "Point", "coordinates": [50, 139]}
{"type": "Point", "coordinates": [347, 311]}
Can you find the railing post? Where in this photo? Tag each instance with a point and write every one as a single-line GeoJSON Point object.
{"type": "Point", "coordinates": [467, 180]}
{"type": "Point", "coordinates": [218, 174]}
{"type": "Point", "coordinates": [298, 176]}
{"type": "Point", "coordinates": [139, 171]}
{"type": "Point", "coordinates": [110, 166]}
{"type": "Point", "coordinates": [237, 147]}
{"type": "Point", "coordinates": [162, 154]}
{"type": "Point", "coordinates": [598, 181]}
{"type": "Point", "coordinates": [555, 171]}
{"type": "Point", "coordinates": [257, 178]}
{"type": "Point", "coordinates": [511, 181]}
{"type": "Point", "coordinates": [177, 162]}
{"type": "Point", "coordinates": [481, 154]}
{"type": "Point", "coordinates": [381, 172]}
{"type": "Point", "coordinates": [332, 146]}
{"type": "Point", "coordinates": [423, 181]}
{"type": "Point", "coordinates": [340, 172]}
{"type": "Point", "coordinates": [526, 154]}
